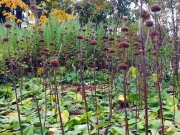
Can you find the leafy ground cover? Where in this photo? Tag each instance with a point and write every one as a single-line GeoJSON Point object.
{"type": "Point", "coordinates": [73, 112]}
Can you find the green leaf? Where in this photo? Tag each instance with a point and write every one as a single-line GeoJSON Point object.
{"type": "Point", "coordinates": [81, 127]}
{"type": "Point", "coordinates": [154, 77]}
{"type": "Point", "coordinates": [73, 132]}
{"type": "Point", "coordinates": [28, 130]}
{"type": "Point", "coordinates": [16, 125]}
{"type": "Point", "coordinates": [140, 125]}
{"type": "Point", "coordinates": [6, 133]}
{"type": "Point", "coordinates": [153, 115]}
{"type": "Point", "coordinates": [121, 131]}
{"type": "Point", "coordinates": [164, 94]}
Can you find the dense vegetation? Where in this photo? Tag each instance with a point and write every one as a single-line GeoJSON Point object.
{"type": "Point", "coordinates": [91, 74]}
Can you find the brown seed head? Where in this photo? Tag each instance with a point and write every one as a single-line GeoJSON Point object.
{"type": "Point", "coordinates": [124, 29]}
{"type": "Point", "coordinates": [111, 51]}
{"type": "Point", "coordinates": [154, 52]}
{"type": "Point", "coordinates": [6, 39]}
{"type": "Point", "coordinates": [125, 18]}
{"type": "Point", "coordinates": [41, 40]}
{"type": "Point", "coordinates": [105, 49]}
{"type": "Point", "coordinates": [154, 33]}
{"type": "Point", "coordinates": [123, 66]}
{"type": "Point", "coordinates": [93, 42]}
{"type": "Point", "coordinates": [155, 8]}
{"type": "Point", "coordinates": [8, 25]}
{"type": "Point", "coordinates": [79, 37]}
{"type": "Point", "coordinates": [54, 62]}
{"type": "Point", "coordinates": [137, 53]}
{"type": "Point", "coordinates": [111, 39]}
{"type": "Point", "coordinates": [124, 44]}
{"type": "Point", "coordinates": [105, 26]}
{"type": "Point", "coordinates": [145, 14]}
{"type": "Point", "coordinates": [149, 23]}
{"type": "Point", "coordinates": [136, 44]}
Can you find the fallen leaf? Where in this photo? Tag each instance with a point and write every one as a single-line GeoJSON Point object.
{"type": "Point", "coordinates": [12, 114]}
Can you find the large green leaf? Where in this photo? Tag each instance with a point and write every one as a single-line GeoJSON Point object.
{"type": "Point", "coordinates": [16, 125]}
{"type": "Point", "coordinates": [28, 130]}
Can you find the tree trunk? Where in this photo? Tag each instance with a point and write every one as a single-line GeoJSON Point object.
{"type": "Point", "coordinates": [34, 11]}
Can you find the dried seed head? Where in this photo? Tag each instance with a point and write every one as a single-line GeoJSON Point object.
{"type": "Point", "coordinates": [6, 39]}
{"type": "Point", "coordinates": [111, 51]}
{"type": "Point", "coordinates": [125, 18]}
{"type": "Point", "coordinates": [105, 37]}
{"type": "Point", "coordinates": [136, 44]}
{"type": "Point", "coordinates": [51, 43]}
{"type": "Point", "coordinates": [84, 30]}
{"type": "Point", "coordinates": [42, 52]}
{"type": "Point", "coordinates": [154, 33]}
{"type": "Point", "coordinates": [105, 49]}
{"type": "Point", "coordinates": [123, 66]}
{"type": "Point", "coordinates": [137, 53]}
{"type": "Point", "coordinates": [145, 14]}
{"type": "Point", "coordinates": [111, 30]}
{"type": "Point", "coordinates": [105, 27]}
{"type": "Point", "coordinates": [78, 51]}
{"type": "Point", "coordinates": [54, 62]}
{"type": "Point", "coordinates": [124, 29]}
{"type": "Point", "coordinates": [124, 44]}
{"type": "Point", "coordinates": [79, 37]}
{"type": "Point", "coordinates": [41, 40]}
{"type": "Point", "coordinates": [149, 23]}
{"type": "Point", "coordinates": [155, 8]}
{"type": "Point", "coordinates": [93, 42]}
{"type": "Point", "coordinates": [154, 52]}
{"type": "Point", "coordinates": [111, 39]}
{"type": "Point", "coordinates": [8, 25]}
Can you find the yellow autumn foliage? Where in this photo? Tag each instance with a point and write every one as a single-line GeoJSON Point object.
{"type": "Point", "coordinates": [13, 4]}
{"type": "Point", "coordinates": [60, 15]}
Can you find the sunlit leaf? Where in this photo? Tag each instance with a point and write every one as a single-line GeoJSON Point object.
{"type": "Point", "coordinates": [27, 101]}
{"type": "Point", "coordinates": [78, 96]}
{"type": "Point", "coordinates": [121, 98]}
{"type": "Point", "coordinates": [133, 70]}
{"type": "Point", "coordinates": [154, 77]}
{"type": "Point", "coordinates": [65, 116]}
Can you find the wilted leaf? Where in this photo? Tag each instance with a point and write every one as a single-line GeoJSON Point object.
{"type": "Point", "coordinates": [78, 96]}
{"type": "Point", "coordinates": [65, 116]}
{"type": "Point", "coordinates": [12, 114]}
{"type": "Point", "coordinates": [40, 70]}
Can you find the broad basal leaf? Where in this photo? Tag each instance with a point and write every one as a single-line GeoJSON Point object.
{"type": "Point", "coordinates": [64, 116]}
